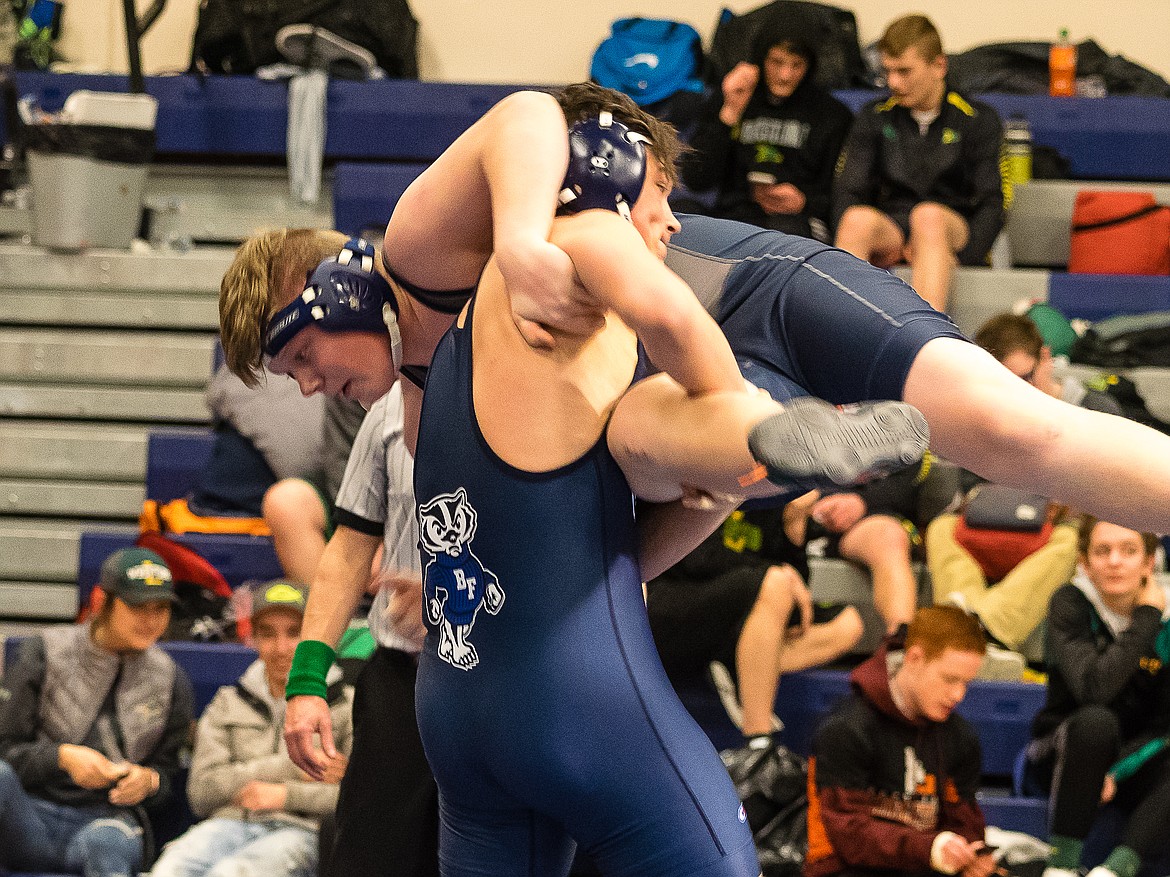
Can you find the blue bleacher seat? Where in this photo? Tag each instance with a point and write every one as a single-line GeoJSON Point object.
{"type": "Point", "coordinates": [1001, 713]}
{"type": "Point", "coordinates": [364, 195]}
{"type": "Point", "coordinates": [1120, 137]}
{"type": "Point", "coordinates": [174, 459]}
{"type": "Point", "coordinates": [1097, 296]}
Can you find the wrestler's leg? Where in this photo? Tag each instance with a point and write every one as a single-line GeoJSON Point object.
{"type": "Point", "coordinates": [725, 443]}
{"type": "Point", "coordinates": [985, 419]}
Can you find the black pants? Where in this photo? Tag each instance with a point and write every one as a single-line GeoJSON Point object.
{"type": "Point", "coordinates": [387, 810]}
{"type": "Point", "coordinates": [1084, 747]}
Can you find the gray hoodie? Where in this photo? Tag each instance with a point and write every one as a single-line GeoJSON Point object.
{"type": "Point", "coordinates": [240, 738]}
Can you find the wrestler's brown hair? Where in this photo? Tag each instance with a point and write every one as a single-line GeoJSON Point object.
{"type": "Point", "coordinates": [911, 32]}
{"type": "Point", "coordinates": [252, 289]}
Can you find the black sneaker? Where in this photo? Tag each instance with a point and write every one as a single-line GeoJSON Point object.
{"type": "Point", "coordinates": [812, 444]}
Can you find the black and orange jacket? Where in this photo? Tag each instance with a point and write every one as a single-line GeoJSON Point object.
{"type": "Point", "coordinates": [882, 787]}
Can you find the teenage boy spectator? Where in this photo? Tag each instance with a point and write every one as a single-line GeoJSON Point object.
{"type": "Point", "coordinates": [1102, 731]}
{"type": "Point", "coordinates": [262, 813]}
{"type": "Point", "coordinates": [894, 771]}
{"type": "Point", "coordinates": [770, 139]}
{"type": "Point", "coordinates": [93, 718]}
{"type": "Point", "coordinates": [740, 599]}
{"type": "Point", "coordinates": [920, 180]}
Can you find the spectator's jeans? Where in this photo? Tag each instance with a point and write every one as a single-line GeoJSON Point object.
{"type": "Point", "coordinates": [235, 848]}
{"type": "Point", "coordinates": [38, 835]}
{"type": "Point", "coordinates": [1013, 607]}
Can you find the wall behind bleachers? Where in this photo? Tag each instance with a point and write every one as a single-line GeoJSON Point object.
{"type": "Point", "coordinates": [477, 42]}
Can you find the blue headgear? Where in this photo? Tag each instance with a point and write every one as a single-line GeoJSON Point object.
{"type": "Point", "coordinates": [607, 166]}
{"type": "Point", "coordinates": [343, 294]}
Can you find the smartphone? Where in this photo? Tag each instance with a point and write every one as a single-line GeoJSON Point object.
{"type": "Point", "coordinates": [761, 177]}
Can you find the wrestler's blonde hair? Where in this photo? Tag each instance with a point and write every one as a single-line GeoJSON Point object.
{"type": "Point", "coordinates": [251, 289]}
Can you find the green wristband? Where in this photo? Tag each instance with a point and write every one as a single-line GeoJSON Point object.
{"type": "Point", "coordinates": [310, 664]}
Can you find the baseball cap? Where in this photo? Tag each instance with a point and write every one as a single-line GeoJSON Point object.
{"type": "Point", "coordinates": [278, 594]}
{"type": "Point", "coordinates": [137, 576]}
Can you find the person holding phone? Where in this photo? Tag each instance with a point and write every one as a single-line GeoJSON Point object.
{"type": "Point", "coordinates": [769, 140]}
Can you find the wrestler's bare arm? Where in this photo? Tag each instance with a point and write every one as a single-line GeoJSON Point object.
{"type": "Point", "coordinates": [615, 266]}
{"type": "Point", "coordinates": [493, 189]}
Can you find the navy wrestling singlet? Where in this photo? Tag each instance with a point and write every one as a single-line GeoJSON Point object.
{"type": "Point", "coordinates": [544, 710]}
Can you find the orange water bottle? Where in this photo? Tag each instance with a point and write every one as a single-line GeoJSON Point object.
{"type": "Point", "coordinates": [1062, 67]}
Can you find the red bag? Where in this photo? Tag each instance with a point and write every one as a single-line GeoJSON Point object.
{"type": "Point", "coordinates": [1119, 233]}
{"type": "Point", "coordinates": [999, 551]}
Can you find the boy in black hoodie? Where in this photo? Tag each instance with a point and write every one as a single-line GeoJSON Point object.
{"type": "Point", "coordinates": [770, 140]}
{"type": "Point", "coordinates": [894, 771]}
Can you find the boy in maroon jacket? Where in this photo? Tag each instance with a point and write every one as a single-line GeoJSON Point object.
{"type": "Point", "coordinates": [894, 772]}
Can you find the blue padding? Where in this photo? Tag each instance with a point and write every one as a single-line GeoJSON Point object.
{"type": "Point", "coordinates": [210, 666]}
{"type": "Point", "coordinates": [364, 195]}
{"type": "Point", "coordinates": [1112, 138]}
{"type": "Point", "coordinates": [242, 115]}
{"type": "Point", "coordinates": [1097, 296]}
{"type": "Point", "coordinates": [1001, 713]}
{"type": "Point", "coordinates": [238, 558]}
{"type": "Point", "coordinates": [174, 460]}
{"type": "Point", "coordinates": [1029, 815]}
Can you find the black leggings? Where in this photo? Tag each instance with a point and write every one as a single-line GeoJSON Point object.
{"type": "Point", "coordinates": [1083, 749]}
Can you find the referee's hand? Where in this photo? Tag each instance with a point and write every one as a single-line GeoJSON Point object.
{"type": "Point", "coordinates": [307, 719]}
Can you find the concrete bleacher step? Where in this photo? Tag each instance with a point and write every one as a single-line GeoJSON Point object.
{"type": "Point", "coordinates": [40, 549]}
{"type": "Point", "coordinates": [38, 600]}
{"type": "Point", "coordinates": [72, 451]}
{"type": "Point", "coordinates": [150, 310]}
{"type": "Point", "coordinates": [35, 496]}
{"type": "Point", "coordinates": [977, 294]}
{"type": "Point", "coordinates": [227, 203]}
{"type": "Point", "coordinates": [105, 357]}
{"type": "Point", "coordinates": [136, 404]}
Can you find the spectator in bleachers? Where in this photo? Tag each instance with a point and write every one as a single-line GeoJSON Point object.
{"type": "Point", "coordinates": [894, 771]}
{"type": "Point", "coordinates": [769, 140]}
{"type": "Point", "coordinates": [254, 443]}
{"type": "Point", "coordinates": [1102, 733]}
{"type": "Point", "coordinates": [1011, 607]}
{"type": "Point", "coordinates": [93, 718]}
{"type": "Point", "coordinates": [877, 525]}
{"type": "Point", "coordinates": [740, 600]}
{"type": "Point", "coordinates": [299, 511]}
{"type": "Point", "coordinates": [1016, 342]}
{"type": "Point", "coordinates": [920, 179]}
{"type": "Point", "coordinates": [262, 813]}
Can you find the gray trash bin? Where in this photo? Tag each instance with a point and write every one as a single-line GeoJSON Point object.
{"type": "Point", "coordinates": [88, 166]}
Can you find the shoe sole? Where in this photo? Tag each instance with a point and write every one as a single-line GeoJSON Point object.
{"type": "Point", "coordinates": [812, 444]}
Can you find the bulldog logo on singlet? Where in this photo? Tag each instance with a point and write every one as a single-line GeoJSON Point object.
{"type": "Point", "coordinates": [455, 583]}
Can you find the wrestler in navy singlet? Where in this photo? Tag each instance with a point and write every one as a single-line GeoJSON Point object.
{"type": "Point", "coordinates": [802, 317]}
{"type": "Point", "coordinates": [544, 709]}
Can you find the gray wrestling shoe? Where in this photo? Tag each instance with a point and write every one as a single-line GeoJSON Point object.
{"type": "Point", "coordinates": [812, 444]}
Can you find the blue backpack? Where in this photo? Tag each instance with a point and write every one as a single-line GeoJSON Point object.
{"type": "Point", "coordinates": [649, 59]}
